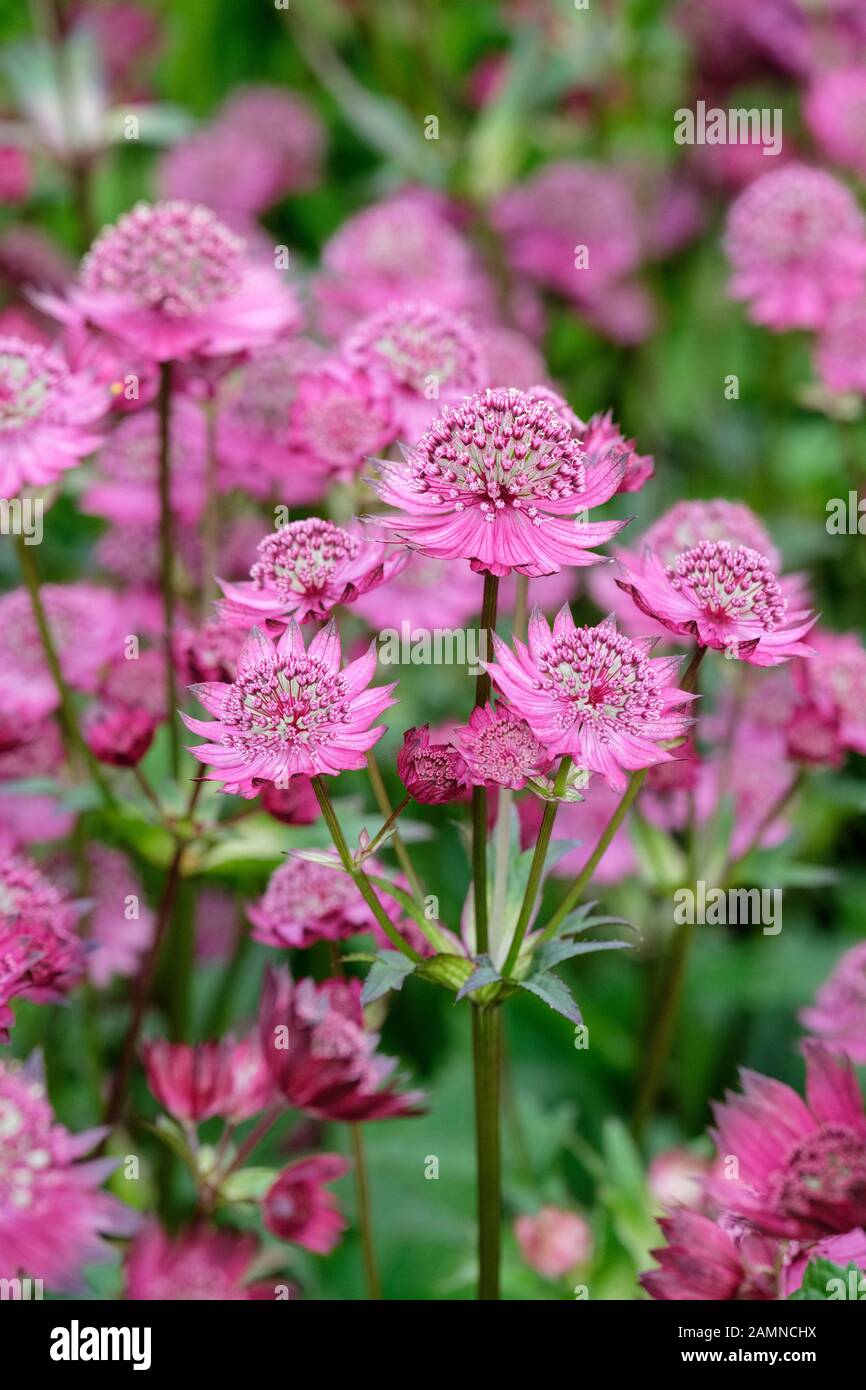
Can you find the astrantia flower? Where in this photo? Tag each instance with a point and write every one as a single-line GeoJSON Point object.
{"type": "Point", "coordinates": [431, 772]}
{"type": "Point", "coordinates": [299, 1207]}
{"type": "Point", "coordinates": [801, 1170]}
{"type": "Point", "coordinates": [797, 242]}
{"type": "Point", "coordinates": [834, 686]}
{"type": "Point", "coordinates": [601, 438]}
{"type": "Point", "coordinates": [47, 416]}
{"type": "Point", "coordinates": [285, 129]}
{"type": "Point", "coordinates": [321, 1057]}
{"type": "Point", "coordinates": [120, 734]}
{"type": "Point", "coordinates": [553, 1242]}
{"type": "Point", "coordinates": [53, 1214]}
{"type": "Point", "coordinates": [295, 804]}
{"type": "Point", "coordinates": [208, 653]}
{"type": "Point", "coordinates": [306, 902]}
{"type": "Point", "coordinates": [120, 924]}
{"type": "Point", "coordinates": [422, 596]}
{"type": "Point", "coordinates": [703, 1260]}
{"type": "Point", "coordinates": [835, 112]}
{"type": "Point", "coordinates": [41, 955]}
{"type": "Point", "coordinates": [840, 349]}
{"type": "Point", "coordinates": [512, 358]}
{"type": "Point", "coordinates": [170, 280]}
{"type": "Point", "coordinates": [289, 711]}
{"type": "Point", "coordinates": [304, 570]}
{"type": "Point", "coordinates": [125, 487]}
{"type": "Point", "coordinates": [195, 170]}
{"type": "Point", "coordinates": [726, 597]}
{"type": "Point", "coordinates": [200, 1265]}
{"type": "Point", "coordinates": [497, 480]}
{"type": "Point", "coordinates": [500, 749]}
{"type": "Point", "coordinates": [194, 1083]}
{"type": "Point", "coordinates": [87, 627]}
{"type": "Point", "coordinates": [340, 416]}
{"type": "Point", "coordinates": [429, 356]}
{"type": "Point", "coordinates": [838, 1015]}
{"type": "Point", "coordinates": [593, 694]}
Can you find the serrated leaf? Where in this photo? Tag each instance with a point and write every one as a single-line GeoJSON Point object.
{"type": "Point", "coordinates": [388, 971]}
{"type": "Point", "coordinates": [549, 955]}
{"type": "Point", "coordinates": [554, 992]}
{"type": "Point", "coordinates": [485, 973]}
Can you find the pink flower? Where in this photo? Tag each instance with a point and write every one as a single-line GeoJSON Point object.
{"type": "Point", "coordinates": [702, 1260]}
{"type": "Point", "coordinates": [428, 356]}
{"type": "Point", "coordinates": [208, 653]}
{"type": "Point", "coordinates": [497, 481]}
{"type": "Point", "coordinates": [285, 129]}
{"type": "Point", "coordinates": [120, 734]}
{"type": "Point", "coordinates": [295, 804]}
{"type": "Point", "coordinates": [306, 902]}
{"type": "Point", "coordinates": [195, 170]}
{"type": "Point", "coordinates": [171, 281]}
{"type": "Point", "coordinates": [87, 627]}
{"type": "Point", "coordinates": [675, 1178]}
{"type": "Point", "coordinates": [126, 482]}
{"type": "Point", "coordinates": [840, 349]}
{"type": "Point", "coordinates": [305, 570]}
{"type": "Point", "coordinates": [194, 1083]}
{"type": "Point", "coordinates": [52, 1213]}
{"type": "Point", "coordinates": [47, 416]}
{"type": "Point", "coordinates": [16, 175]}
{"type": "Point", "coordinates": [801, 1166]}
{"type": "Point", "coordinates": [340, 416]}
{"type": "Point", "coordinates": [727, 598]}
{"type": "Point", "coordinates": [838, 1015]}
{"type": "Point", "coordinates": [687, 523]}
{"type": "Point", "coordinates": [320, 1056]}
{"type": "Point", "coordinates": [200, 1264]}
{"type": "Point", "coordinates": [553, 1242]}
{"type": "Point", "coordinates": [41, 955]}
{"type": "Point", "coordinates": [755, 773]}
{"type": "Point", "coordinates": [299, 1208]}
{"type": "Point", "coordinates": [500, 749]}
{"type": "Point", "coordinates": [797, 242]}
{"type": "Point", "coordinates": [602, 438]}
{"type": "Point", "coordinates": [289, 711]}
{"type": "Point", "coordinates": [593, 694]}
{"type": "Point", "coordinates": [120, 925]}
{"type": "Point", "coordinates": [835, 112]}
{"type": "Point", "coordinates": [839, 1250]}
{"type": "Point", "coordinates": [512, 358]}
{"type": "Point", "coordinates": [431, 772]}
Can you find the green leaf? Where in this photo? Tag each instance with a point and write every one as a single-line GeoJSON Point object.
{"type": "Point", "coordinates": [389, 971]}
{"type": "Point", "coordinates": [553, 992]}
{"type": "Point", "coordinates": [824, 1282]}
{"type": "Point", "coordinates": [552, 952]}
{"type": "Point", "coordinates": [248, 1184]}
{"type": "Point", "coordinates": [485, 973]}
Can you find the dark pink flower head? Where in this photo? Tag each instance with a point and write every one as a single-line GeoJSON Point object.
{"type": "Point", "coordinates": [835, 112]}
{"type": "Point", "coordinates": [208, 653]}
{"type": "Point", "coordinates": [285, 129]}
{"type": "Point", "coordinates": [726, 597]}
{"type": "Point", "coordinates": [199, 1265]}
{"type": "Point", "coordinates": [498, 480]}
{"type": "Point", "coordinates": [295, 804]}
{"type": "Point", "coordinates": [306, 902]}
{"type": "Point", "coordinates": [500, 749]}
{"type": "Point", "coordinates": [702, 1260]}
{"type": "Point", "coordinates": [800, 1170]}
{"type": "Point", "coordinates": [431, 772]}
{"type": "Point", "coordinates": [429, 357]}
{"type": "Point", "coordinates": [832, 688]}
{"type": "Point", "coordinates": [305, 570]}
{"type": "Point", "coordinates": [41, 955]}
{"type": "Point", "coordinates": [796, 240]}
{"type": "Point", "coordinates": [47, 416]}
{"type": "Point", "coordinates": [593, 694]}
{"type": "Point", "coordinates": [602, 439]}
{"type": "Point", "coordinates": [290, 710]}
{"type": "Point", "coordinates": [172, 281]}
{"type": "Point", "coordinates": [194, 1083]}
{"type": "Point", "coordinates": [298, 1207]}
{"type": "Point", "coordinates": [322, 1059]}
{"type": "Point", "coordinates": [838, 1015]}
{"type": "Point", "coordinates": [840, 349]}
{"type": "Point", "coordinates": [120, 734]}
{"type": "Point", "coordinates": [341, 415]}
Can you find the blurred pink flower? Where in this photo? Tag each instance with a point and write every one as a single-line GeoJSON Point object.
{"type": "Point", "coordinates": [835, 112]}
{"type": "Point", "coordinates": [432, 773]}
{"type": "Point", "coordinates": [687, 523]}
{"type": "Point", "coordinates": [500, 749]}
{"type": "Point", "coordinates": [47, 416]}
{"type": "Point", "coordinates": [87, 626]}
{"type": "Point", "coordinates": [290, 710]}
{"type": "Point", "coordinates": [208, 653]}
{"type": "Point", "coordinates": [675, 1178]}
{"type": "Point", "coordinates": [200, 1264]}
{"type": "Point", "coordinates": [341, 415]}
{"type": "Point", "coordinates": [584, 821]}
{"type": "Point", "coordinates": [119, 734]}
{"type": "Point", "coordinates": [120, 924]}
{"type": "Point", "coordinates": [298, 1207]}
{"type": "Point", "coordinates": [41, 953]}
{"type": "Point", "coordinates": [125, 486]}
{"type": "Point", "coordinates": [512, 358]}
{"type": "Point", "coordinates": [422, 596]}
{"type": "Point", "coordinates": [840, 348]}
{"type": "Point", "coordinates": [285, 129]}
{"type": "Point", "coordinates": [702, 1260]}
{"type": "Point", "coordinates": [306, 902]}
{"type": "Point", "coordinates": [832, 687]}
{"type": "Point", "coordinates": [194, 1083]}
{"type": "Point", "coordinates": [602, 439]}
{"type": "Point", "coordinates": [16, 175]}
{"type": "Point", "coordinates": [295, 804]}
{"type": "Point", "coordinates": [838, 1015]}
{"type": "Point", "coordinates": [553, 1242]}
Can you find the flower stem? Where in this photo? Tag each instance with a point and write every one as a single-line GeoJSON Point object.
{"type": "Point", "coordinates": [211, 524]}
{"type": "Point", "coordinates": [479, 795]}
{"type": "Point", "coordinates": [536, 870]}
{"type": "Point", "coordinates": [383, 801]}
{"type": "Point", "coordinates": [664, 1016]}
{"type": "Point", "coordinates": [487, 1063]}
{"type": "Point", "coordinates": [364, 886]}
{"type": "Point", "coordinates": [166, 561]}
{"type": "Point", "coordinates": [70, 732]}
{"type": "Point", "coordinates": [365, 1219]}
{"type": "Point", "coordinates": [393, 817]}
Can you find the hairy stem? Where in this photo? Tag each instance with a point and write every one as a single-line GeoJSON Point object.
{"type": "Point", "coordinates": [487, 1064]}
{"type": "Point", "coordinates": [536, 870]}
{"type": "Point", "coordinates": [365, 1216]}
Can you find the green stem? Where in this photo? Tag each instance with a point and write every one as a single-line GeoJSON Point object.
{"type": "Point", "coordinates": [383, 801]}
{"type": "Point", "coordinates": [536, 870]}
{"type": "Point", "coordinates": [211, 521]}
{"type": "Point", "coordinates": [665, 1012]}
{"type": "Point", "coordinates": [487, 1063]}
{"type": "Point", "coordinates": [365, 1218]}
{"type": "Point", "coordinates": [363, 884]}
{"type": "Point", "coordinates": [393, 817]}
{"type": "Point", "coordinates": [166, 561]}
{"type": "Point", "coordinates": [479, 795]}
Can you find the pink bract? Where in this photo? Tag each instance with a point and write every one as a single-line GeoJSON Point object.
{"type": "Point", "coordinates": [201, 1264]}
{"type": "Point", "coordinates": [432, 773]}
{"type": "Point", "coordinates": [703, 1260]}
{"type": "Point", "coordinates": [306, 902]}
{"type": "Point", "coordinates": [500, 749]}
{"type": "Point", "coordinates": [195, 1083]}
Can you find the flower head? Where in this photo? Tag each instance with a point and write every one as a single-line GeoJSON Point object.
{"type": "Point", "coordinates": [832, 689]}
{"type": "Point", "coordinates": [306, 902]}
{"type": "Point", "coordinates": [290, 710]}
{"type": "Point", "coordinates": [321, 1057]}
{"type": "Point", "coordinates": [602, 438]}
{"type": "Point", "coordinates": [726, 597]}
{"type": "Point", "coordinates": [208, 653]}
{"type": "Point", "coordinates": [340, 416]}
{"type": "Point", "coordinates": [200, 1264]}
{"type": "Point", "coordinates": [305, 570]}
{"type": "Point", "coordinates": [299, 1208]}
{"type": "Point", "coordinates": [431, 772]}
{"type": "Point", "coordinates": [835, 112]}
{"type": "Point", "coordinates": [117, 937]}
{"type": "Point", "coordinates": [47, 416]}
{"type": "Point", "coordinates": [497, 480]}
{"type": "Point", "coordinates": [41, 955]}
{"type": "Point", "coordinates": [703, 1259]}
{"type": "Point", "coordinates": [120, 734]}
{"type": "Point", "coordinates": [797, 242]}
{"type": "Point", "coordinates": [194, 1083]}
{"type": "Point", "coordinates": [284, 128]}
{"type": "Point", "coordinates": [593, 694]}
{"type": "Point", "coordinates": [86, 625]}
{"type": "Point", "coordinates": [838, 1015]}
{"type": "Point", "coordinates": [840, 350]}
{"type": "Point", "coordinates": [553, 1241]}
{"type": "Point", "coordinates": [500, 749]}
{"type": "Point", "coordinates": [689, 522]}
{"type": "Point", "coordinates": [295, 804]}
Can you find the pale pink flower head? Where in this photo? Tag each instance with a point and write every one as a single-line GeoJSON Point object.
{"type": "Point", "coordinates": [47, 416]}
{"type": "Point", "coordinates": [796, 240]}
{"type": "Point", "coordinates": [120, 924]}
{"type": "Point", "coordinates": [801, 1170]}
{"type": "Point", "coordinates": [341, 415]}
{"type": "Point", "coordinates": [285, 129]}
{"type": "Point", "coordinates": [675, 1178]}
{"type": "Point", "coordinates": [838, 1015]}
{"type": "Point", "coordinates": [705, 1261]}
{"type": "Point", "coordinates": [726, 597]}
{"type": "Point", "coordinates": [304, 570]}
{"type": "Point", "coordinates": [689, 522]}
{"type": "Point", "coordinates": [53, 1214]}
{"type": "Point", "coordinates": [290, 710]}
{"type": "Point", "coordinates": [194, 1083]}
{"type": "Point", "coordinates": [832, 687]}
{"type": "Point", "coordinates": [199, 1265]}
{"type": "Point", "coordinates": [172, 281]}
{"type": "Point", "coordinates": [119, 734]}
{"type": "Point", "coordinates": [432, 773]}
{"type": "Point", "coordinates": [553, 1241]}
{"type": "Point", "coordinates": [41, 954]}
{"type": "Point", "coordinates": [840, 348]}
{"type": "Point", "coordinates": [835, 112]}
{"type": "Point", "coordinates": [208, 653]}
{"type": "Point", "coordinates": [512, 358]}
{"type": "Point", "coordinates": [322, 1059]}
{"type": "Point", "coordinates": [306, 902]}
{"type": "Point", "coordinates": [125, 486]}
{"type": "Point", "coordinates": [195, 170]}
{"type": "Point", "coordinates": [300, 1209]}
{"type": "Point", "coordinates": [86, 624]}
{"type": "Point", "coordinates": [602, 439]}
{"type": "Point", "coordinates": [500, 749]}
{"type": "Point", "coordinates": [497, 480]}
{"type": "Point", "coordinates": [593, 694]}
{"type": "Point", "coordinates": [429, 357]}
